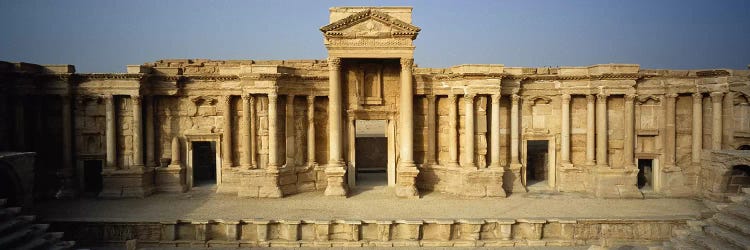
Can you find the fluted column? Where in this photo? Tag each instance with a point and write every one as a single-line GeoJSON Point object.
{"type": "Point", "coordinates": [245, 127]}
{"type": "Point", "coordinates": [151, 160]}
{"type": "Point", "coordinates": [670, 133]}
{"type": "Point", "coordinates": [227, 134]}
{"type": "Point", "coordinates": [137, 132]}
{"type": "Point", "coordinates": [334, 113]}
{"type": "Point", "coordinates": [629, 144]}
{"type": "Point", "coordinates": [335, 171]}
{"type": "Point", "coordinates": [601, 130]}
{"type": "Point", "coordinates": [495, 132]}
{"type": "Point", "coordinates": [253, 128]}
{"type": "Point", "coordinates": [716, 127]}
{"type": "Point", "coordinates": [431, 155]}
{"type": "Point", "coordinates": [311, 131]}
{"type": "Point", "coordinates": [590, 129]}
{"type": "Point", "coordinates": [469, 131]}
{"type": "Point", "coordinates": [697, 128]}
{"type": "Point", "coordinates": [565, 133]}
{"type": "Point", "coordinates": [406, 114]}
{"type": "Point", "coordinates": [68, 189]}
{"type": "Point", "coordinates": [273, 157]}
{"type": "Point", "coordinates": [514, 130]}
{"type": "Point", "coordinates": [111, 159]}
{"type": "Point", "coordinates": [452, 130]}
{"type": "Point", "coordinates": [289, 128]}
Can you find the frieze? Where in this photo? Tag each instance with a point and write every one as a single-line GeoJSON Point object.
{"type": "Point", "coordinates": [371, 42]}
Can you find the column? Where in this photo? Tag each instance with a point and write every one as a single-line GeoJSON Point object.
{"type": "Point", "coordinates": [431, 155]}
{"type": "Point", "coordinates": [670, 134]}
{"type": "Point", "coordinates": [728, 121]}
{"type": "Point", "coordinates": [514, 130]}
{"type": "Point", "coordinates": [311, 131]}
{"type": "Point", "coordinates": [151, 161]}
{"type": "Point", "coordinates": [245, 128]}
{"type": "Point", "coordinates": [495, 132]}
{"type": "Point", "coordinates": [406, 114]}
{"type": "Point", "coordinates": [273, 158]}
{"type": "Point", "coordinates": [68, 189]}
{"type": "Point", "coordinates": [335, 171]}
{"type": "Point", "coordinates": [453, 130]}
{"type": "Point", "coordinates": [289, 128]}
{"type": "Point", "coordinates": [716, 127]}
{"type": "Point", "coordinates": [469, 130]}
{"type": "Point", "coordinates": [227, 134]}
{"type": "Point", "coordinates": [565, 133]}
{"type": "Point", "coordinates": [253, 146]}
{"type": "Point", "coordinates": [137, 132]}
{"type": "Point", "coordinates": [109, 103]}
{"type": "Point", "coordinates": [334, 113]}
{"type": "Point", "coordinates": [697, 128]}
{"type": "Point", "coordinates": [629, 144]}
{"type": "Point", "coordinates": [590, 129]}
{"type": "Point", "coordinates": [601, 130]}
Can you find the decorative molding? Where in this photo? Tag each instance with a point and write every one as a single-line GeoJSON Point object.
{"type": "Point", "coordinates": [544, 100]}
{"type": "Point", "coordinates": [644, 98]}
{"type": "Point", "coordinates": [404, 28]}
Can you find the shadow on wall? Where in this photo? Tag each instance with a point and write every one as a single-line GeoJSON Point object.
{"type": "Point", "coordinates": [17, 178]}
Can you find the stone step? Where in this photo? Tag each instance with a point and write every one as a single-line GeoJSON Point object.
{"type": "Point", "coordinates": [732, 237]}
{"type": "Point", "coordinates": [739, 199]}
{"type": "Point", "coordinates": [9, 212]}
{"type": "Point", "coordinates": [745, 190]}
{"type": "Point", "coordinates": [8, 241]}
{"type": "Point", "coordinates": [35, 243]}
{"type": "Point", "coordinates": [62, 245]}
{"type": "Point", "coordinates": [696, 225]}
{"type": "Point", "coordinates": [681, 243]}
{"type": "Point", "coordinates": [8, 226]}
{"type": "Point", "coordinates": [739, 211]}
{"type": "Point", "coordinates": [711, 243]}
{"type": "Point", "coordinates": [733, 222]}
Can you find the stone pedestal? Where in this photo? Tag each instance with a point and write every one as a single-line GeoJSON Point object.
{"type": "Point", "coordinates": [170, 179]}
{"type": "Point", "coordinates": [127, 183]}
{"type": "Point", "coordinates": [335, 180]}
{"type": "Point", "coordinates": [512, 179]}
{"type": "Point", "coordinates": [616, 183]}
{"type": "Point", "coordinates": [406, 185]}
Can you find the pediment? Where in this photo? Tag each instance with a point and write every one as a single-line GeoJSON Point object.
{"type": "Point", "coordinates": [370, 23]}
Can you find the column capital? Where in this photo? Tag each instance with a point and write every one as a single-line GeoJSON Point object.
{"type": "Point", "coordinates": [697, 96]}
{"type": "Point", "coordinates": [515, 98]}
{"type": "Point", "coordinates": [590, 98]}
{"type": "Point", "coordinates": [290, 99]}
{"type": "Point", "coordinates": [495, 98]}
{"type": "Point", "coordinates": [273, 96]}
{"type": "Point", "coordinates": [601, 97]}
{"type": "Point", "coordinates": [247, 97]}
{"type": "Point", "coordinates": [311, 99]}
{"type": "Point", "coordinates": [334, 63]}
{"type": "Point", "coordinates": [630, 97]}
{"type": "Point", "coordinates": [671, 95]}
{"type": "Point", "coordinates": [565, 98]}
{"type": "Point", "coordinates": [452, 97]}
{"type": "Point", "coordinates": [407, 63]}
{"type": "Point", "coordinates": [470, 96]}
{"type": "Point", "coordinates": [430, 98]}
{"type": "Point", "coordinates": [225, 99]}
{"type": "Point", "coordinates": [136, 99]}
{"type": "Point", "coordinates": [716, 96]}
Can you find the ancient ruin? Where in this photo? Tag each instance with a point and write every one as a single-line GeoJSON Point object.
{"type": "Point", "coordinates": [275, 128]}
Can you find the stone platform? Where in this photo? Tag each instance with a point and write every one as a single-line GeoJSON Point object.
{"type": "Point", "coordinates": [372, 216]}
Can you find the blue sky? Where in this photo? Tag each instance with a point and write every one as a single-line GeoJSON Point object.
{"type": "Point", "coordinates": [104, 36]}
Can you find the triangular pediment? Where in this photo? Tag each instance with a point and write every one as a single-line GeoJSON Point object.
{"type": "Point", "coordinates": [370, 23]}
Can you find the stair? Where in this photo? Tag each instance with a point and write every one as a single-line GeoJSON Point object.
{"type": "Point", "coordinates": [19, 232]}
{"type": "Point", "coordinates": [729, 228]}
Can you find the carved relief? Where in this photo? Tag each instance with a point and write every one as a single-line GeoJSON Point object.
{"type": "Point", "coordinates": [201, 112]}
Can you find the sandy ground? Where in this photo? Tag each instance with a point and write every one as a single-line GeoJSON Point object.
{"type": "Point", "coordinates": [365, 202]}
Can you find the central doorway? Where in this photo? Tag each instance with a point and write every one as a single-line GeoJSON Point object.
{"type": "Point", "coordinates": [537, 163]}
{"type": "Point", "coordinates": [204, 163]}
{"type": "Point", "coordinates": [371, 153]}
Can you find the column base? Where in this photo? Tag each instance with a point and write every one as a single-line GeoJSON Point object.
{"type": "Point", "coordinates": [335, 180]}
{"type": "Point", "coordinates": [171, 179]}
{"type": "Point", "coordinates": [127, 183]}
{"type": "Point", "coordinates": [616, 183]}
{"type": "Point", "coordinates": [512, 179]}
{"type": "Point", "coordinates": [406, 185]}
{"type": "Point", "coordinates": [270, 187]}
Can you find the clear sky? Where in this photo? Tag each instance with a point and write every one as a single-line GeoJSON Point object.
{"type": "Point", "coordinates": [104, 36]}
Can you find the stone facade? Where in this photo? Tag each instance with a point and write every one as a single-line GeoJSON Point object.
{"type": "Point", "coordinates": [282, 127]}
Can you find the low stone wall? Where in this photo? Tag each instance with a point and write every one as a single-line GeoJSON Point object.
{"type": "Point", "coordinates": [470, 182]}
{"type": "Point", "coordinates": [365, 233]}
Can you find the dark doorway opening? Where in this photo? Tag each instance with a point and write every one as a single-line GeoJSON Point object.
{"type": "Point", "coordinates": [204, 163]}
{"type": "Point", "coordinates": [371, 153]}
{"type": "Point", "coordinates": [10, 188]}
{"type": "Point", "coordinates": [536, 161]}
{"type": "Point", "coordinates": [92, 176]}
{"type": "Point", "coordinates": [646, 174]}
{"type": "Point", "coordinates": [739, 178]}
{"type": "Point", "coordinates": [744, 147]}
